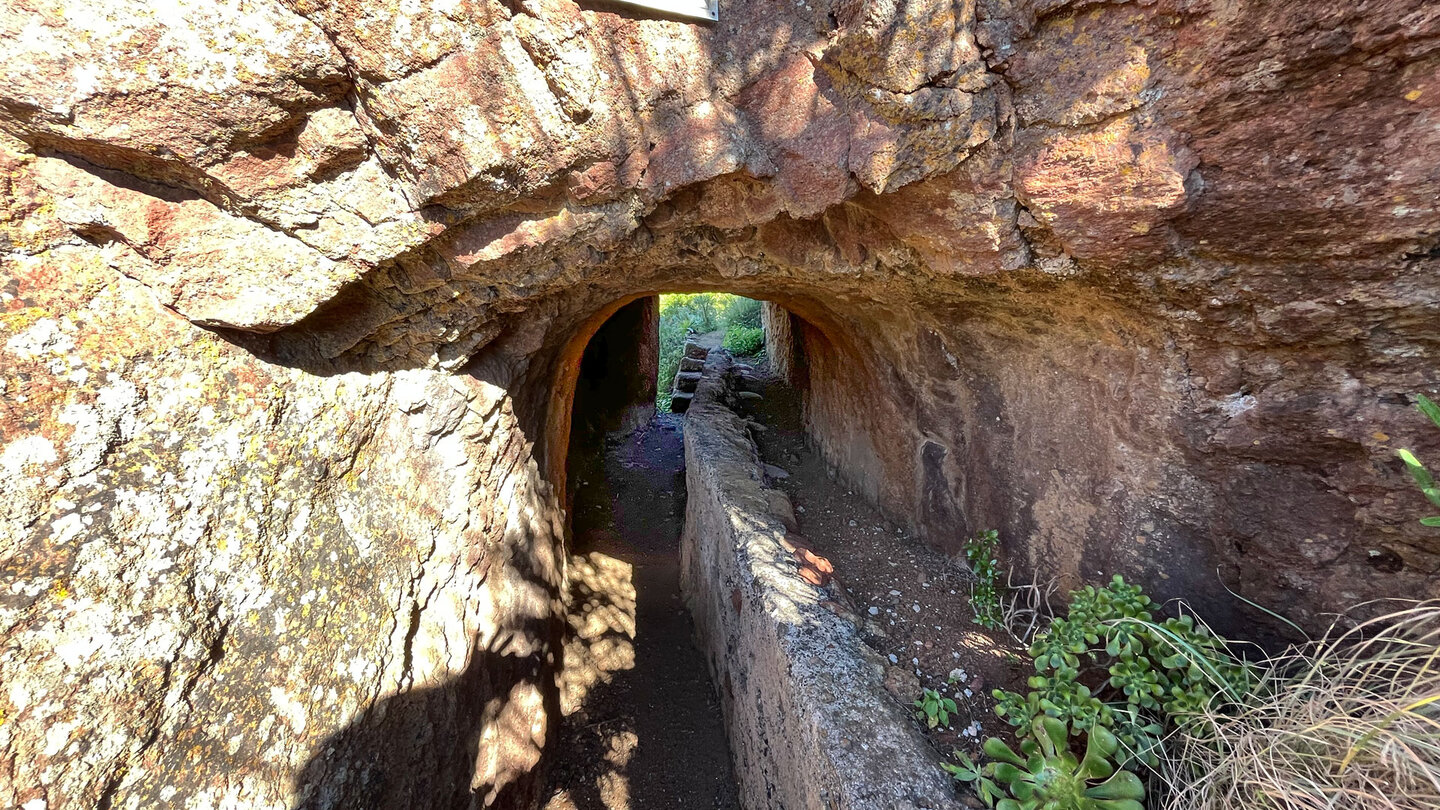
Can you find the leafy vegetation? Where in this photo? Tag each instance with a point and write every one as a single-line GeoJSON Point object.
{"type": "Point", "coordinates": [682, 313]}
{"type": "Point", "coordinates": [980, 552]}
{"type": "Point", "coordinates": [934, 709]}
{"type": "Point", "coordinates": [1045, 774]}
{"type": "Point", "coordinates": [744, 341]}
{"type": "Point", "coordinates": [1112, 670]}
{"type": "Point", "coordinates": [1351, 721]}
{"type": "Point", "coordinates": [1144, 674]}
{"type": "Point", "coordinates": [739, 311]}
{"type": "Point", "coordinates": [1421, 475]}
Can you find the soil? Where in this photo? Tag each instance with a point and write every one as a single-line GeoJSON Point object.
{"type": "Point", "coordinates": [643, 726]}
{"type": "Point", "coordinates": [913, 601]}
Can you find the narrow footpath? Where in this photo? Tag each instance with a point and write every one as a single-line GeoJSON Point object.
{"type": "Point", "coordinates": [643, 728]}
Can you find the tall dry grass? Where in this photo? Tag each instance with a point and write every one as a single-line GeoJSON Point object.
{"type": "Point", "coordinates": [1349, 721]}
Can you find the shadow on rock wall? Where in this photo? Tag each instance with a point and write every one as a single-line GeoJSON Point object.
{"type": "Point", "coordinates": [469, 742]}
{"type": "Point", "coordinates": [472, 740]}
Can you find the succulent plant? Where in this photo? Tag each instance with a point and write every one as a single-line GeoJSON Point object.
{"type": "Point", "coordinates": [1113, 670]}
{"type": "Point", "coordinates": [1139, 738]}
{"type": "Point", "coordinates": [1137, 680]}
{"type": "Point", "coordinates": [1046, 776]}
{"type": "Point", "coordinates": [1058, 696]}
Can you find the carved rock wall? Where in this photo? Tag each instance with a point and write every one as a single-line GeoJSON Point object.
{"type": "Point", "coordinates": [295, 297]}
{"type": "Point", "coordinates": [616, 385]}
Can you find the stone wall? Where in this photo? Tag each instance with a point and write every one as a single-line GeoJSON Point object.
{"type": "Point", "coordinates": [233, 582]}
{"type": "Point", "coordinates": [810, 724]}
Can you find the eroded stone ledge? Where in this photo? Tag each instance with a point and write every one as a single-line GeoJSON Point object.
{"type": "Point", "coordinates": [810, 724]}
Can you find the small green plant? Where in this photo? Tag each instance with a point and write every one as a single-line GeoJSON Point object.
{"type": "Point", "coordinates": [1151, 672]}
{"type": "Point", "coordinates": [744, 341]}
{"type": "Point", "coordinates": [1045, 775]}
{"type": "Point", "coordinates": [934, 709]}
{"type": "Point", "coordinates": [981, 553]}
{"type": "Point", "coordinates": [1421, 475]}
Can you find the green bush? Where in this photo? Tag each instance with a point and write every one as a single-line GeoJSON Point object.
{"type": "Point", "coordinates": [681, 313]}
{"type": "Point", "coordinates": [740, 311]}
{"type": "Point", "coordinates": [744, 341]}
{"type": "Point", "coordinates": [1153, 672]}
{"type": "Point", "coordinates": [698, 311]}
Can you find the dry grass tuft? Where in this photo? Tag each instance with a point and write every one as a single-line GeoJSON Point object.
{"type": "Point", "coordinates": [1350, 721]}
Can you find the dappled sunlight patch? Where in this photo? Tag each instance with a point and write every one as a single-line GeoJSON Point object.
{"type": "Point", "coordinates": [612, 785]}
{"type": "Point", "coordinates": [510, 745]}
{"type": "Point", "coordinates": [602, 626]}
{"type": "Point", "coordinates": [981, 643]}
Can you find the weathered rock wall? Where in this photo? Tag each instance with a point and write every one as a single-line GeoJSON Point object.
{"type": "Point", "coordinates": [1146, 285]}
{"type": "Point", "coordinates": [233, 581]}
{"type": "Point", "coordinates": [810, 723]}
{"type": "Point", "coordinates": [780, 348]}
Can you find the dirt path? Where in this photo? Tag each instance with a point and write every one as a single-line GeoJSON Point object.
{"type": "Point", "coordinates": [644, 728]}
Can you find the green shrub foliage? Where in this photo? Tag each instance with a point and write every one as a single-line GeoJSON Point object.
{"type": "Point", "coordinates": [1147, 672]}
{"type": "Point", "coordinates": [738, 311]}
{"type": "Point", "coordinates": [744, 341]}
{"type": "Point", "coordinates": [683, 313]}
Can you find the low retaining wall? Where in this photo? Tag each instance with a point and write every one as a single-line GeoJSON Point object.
{"type": "Point", "coordinates": [810, 724]}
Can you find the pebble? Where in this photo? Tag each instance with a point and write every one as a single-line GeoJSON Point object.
{"type": "Point", "coordinates": [874, 611]}
{"type": "Point", "coordinates": [853, 523]}
{"type": "Point", "coordinates": [915, 607]}
{"type": "Point", "coordinates": [893, 659]}
{"type": "Point", "coordinates": [894, 592]}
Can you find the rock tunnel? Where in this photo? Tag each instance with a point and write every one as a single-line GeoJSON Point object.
{"type": "Point", "coordinates": [296, 296]}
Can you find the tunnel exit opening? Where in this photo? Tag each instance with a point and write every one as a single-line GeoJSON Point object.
{"type": "Point", "coordinates": [642, 725]}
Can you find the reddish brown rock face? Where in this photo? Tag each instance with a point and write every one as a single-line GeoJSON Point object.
{"type": "Point", "coordinates": [294, 296]}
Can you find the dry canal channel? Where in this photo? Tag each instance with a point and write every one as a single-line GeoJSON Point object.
{"type": "Point", "coordinates": [653, 736]}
